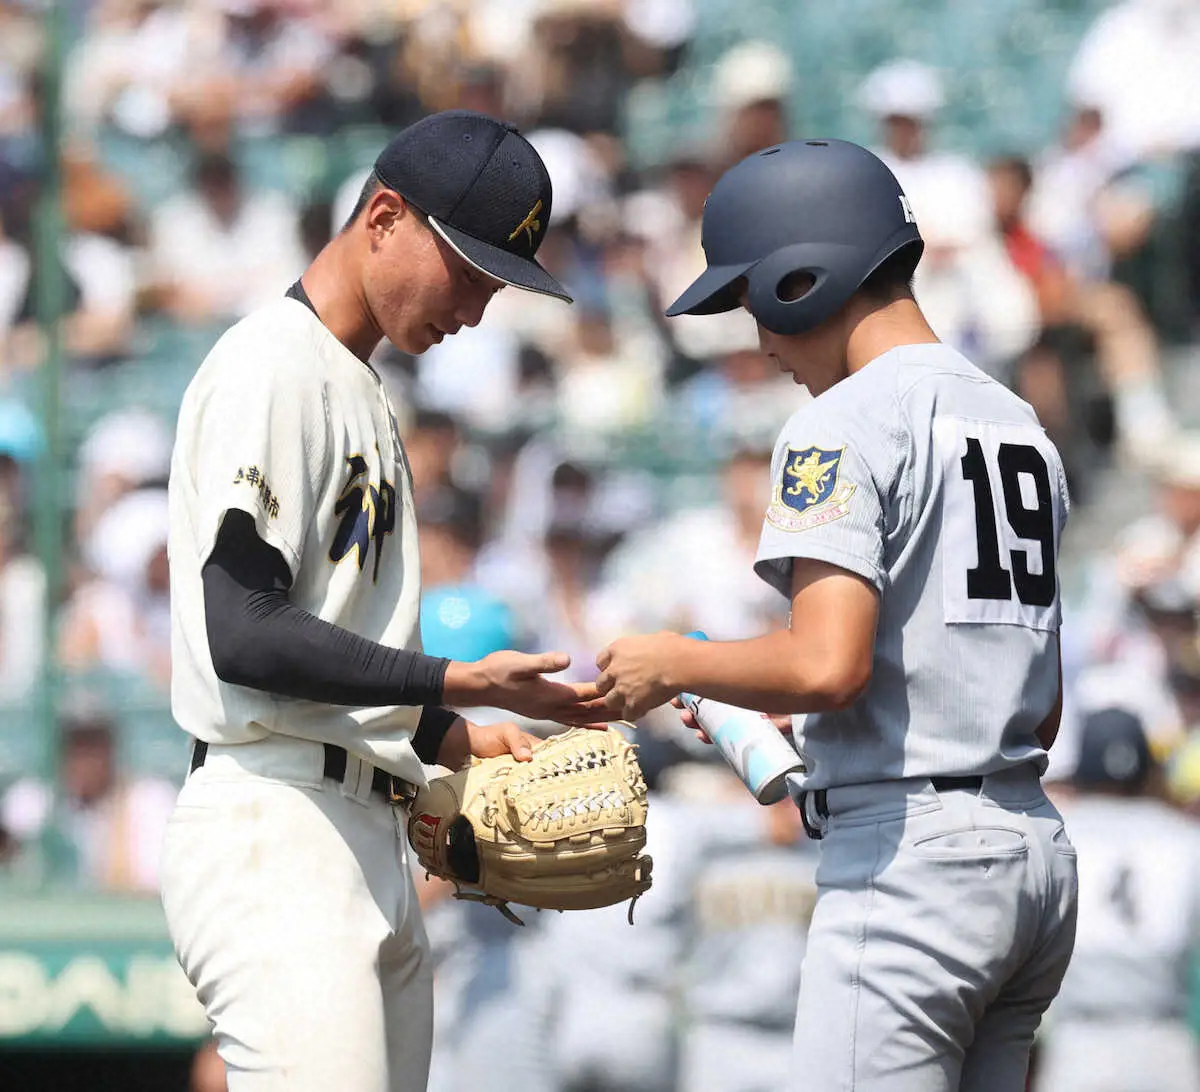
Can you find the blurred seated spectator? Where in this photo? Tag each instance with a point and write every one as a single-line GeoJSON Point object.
{"type": "Point", "coordinates": [431, 442]}
{"type": "Point", "coordinates": [119, 620]}
{"type": "Point", "coordinates": [741, 396]}
{"type": "Point", "coordinates": [95, 825]}
{"type": "Point", "coordinates": [576, 75]}
{"type": "Point", "coordinates": [1137, 66]}
{"type": "Point", "coordinates": [694, 569]}
{"type": "Point", "coordinates": [1120, 1019]}
{"type": "Point", "coordinates": [133, 63]}
{"type": "Point", "coordinates": [599, 972]}
{"type": "Point", "coordinates": [15, 267]}
{"type": "Point", "coordinates": [603, 386]}
{"type": "Point", "coordinates": [750, 89]}
{"type": "Point", "coordinates": [20, 53]}
{"type": "Point", "coordinates": [473, 375]}
{"type": "Point", "coordinates": [659, 32]}
{"type": "Point", "coordinates": [1087, 210]}
{"type": "Point", "coordinates": [450, 527]}
{"type": "Point", "coordinates": [125, 450]}
{"type": "Point", "coordinates": [262, 72]}
{"type": "Point", "coordinates": [1110, 314]}
{"type": "Point", "coordinates": [903, 98]}
{"type": "Point", "coordinates": [750, 912]}
{"type": "Point", "coordinates": [975, 298]}
{"type": "Point", "coordinates": [218, 250]}
{"type": "Point", "coordinates": [666, 217]}
{"type": "Point", "coordinates": [1150, 549]}
{"type": "Point", "coordinates": [96, 264]}
{"type": "Point", "coordinates": [22, 589]}
{"type": "Point", "coordinates": [547, 566]}
{"type": "Point", "coordinates": [460, 619]}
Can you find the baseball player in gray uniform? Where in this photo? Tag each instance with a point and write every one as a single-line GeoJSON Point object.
{"type": "Point", "coordinates": [749, 921]}
{"type": "Point", "coordinates": [914, 526]}
{"type": "Point", "coordinates": [1120, 1022]}
{"type": "Point", "coordinates": [297, 663]}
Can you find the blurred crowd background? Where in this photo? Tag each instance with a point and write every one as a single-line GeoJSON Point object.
{"type": "Point", "coordinates": [166, 166]}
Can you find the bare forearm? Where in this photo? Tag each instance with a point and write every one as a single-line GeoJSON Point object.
{"type": "Point", "coordinates": [781, 672]}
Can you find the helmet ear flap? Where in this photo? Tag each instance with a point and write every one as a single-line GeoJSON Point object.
{"type": "Point", "coordinates": [833, 284]}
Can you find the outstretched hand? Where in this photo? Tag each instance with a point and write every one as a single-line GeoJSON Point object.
{"type": "Point", "coordinates": [516, 681]}
{"type": "Point", "coordinates": [634, 676]}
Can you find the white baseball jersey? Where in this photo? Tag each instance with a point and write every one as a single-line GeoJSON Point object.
{"type": "Point", "coordinates": [936, 484]}
{"type": "Point", "coordinates": [1139, 911]}
{"type": "Point", "coordinates": [283, 422]}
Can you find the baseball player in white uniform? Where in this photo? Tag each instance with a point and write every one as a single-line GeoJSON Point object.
{"type": "Point", "coordinates": [1120, 1022]}
{"type": "Point", "coordinates": [914, 527]}
{"type": "Point", "coordinates": [296, 650]}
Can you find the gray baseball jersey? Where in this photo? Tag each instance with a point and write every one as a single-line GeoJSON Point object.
{"type": "Point", "coordinates": [936, 484]}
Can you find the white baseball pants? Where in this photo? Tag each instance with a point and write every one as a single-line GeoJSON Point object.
{"type": "Point", "coordinates": [291, 906]}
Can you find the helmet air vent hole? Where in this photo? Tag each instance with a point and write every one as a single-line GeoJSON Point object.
{"type": "Point", "coordinates": [770, 151]}
{"type": "Point", "coordinates": [795, 286]}
{"type": "Point", "coordinates": [817, 143]}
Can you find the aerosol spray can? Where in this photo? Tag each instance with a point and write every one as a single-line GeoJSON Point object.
{"type": "Point", "coordinates": [750, 742]}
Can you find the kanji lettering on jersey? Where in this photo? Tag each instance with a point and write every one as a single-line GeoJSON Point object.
{"type": "Point", "coordinates": [252, 476]}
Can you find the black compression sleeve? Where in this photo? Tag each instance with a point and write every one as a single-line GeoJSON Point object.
{"type": "Point", "coordinates": [257, 638]}
{"type": "Point", "coordinates": [427, 739]}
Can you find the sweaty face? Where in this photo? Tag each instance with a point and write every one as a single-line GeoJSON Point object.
{"type": "Point", "coordinates": [418, 288]}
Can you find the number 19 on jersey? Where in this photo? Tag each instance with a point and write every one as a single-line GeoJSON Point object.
{"type": "Point", "coordinates": [1003, 510]}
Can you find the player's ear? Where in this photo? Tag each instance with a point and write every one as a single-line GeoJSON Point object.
{"type": "Point", "coordinates": [385, 210]}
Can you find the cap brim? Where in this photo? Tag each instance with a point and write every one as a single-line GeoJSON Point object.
{"type": "Point", "coordinates": [524, 273]}
{"type": "Point", "coordinates": [709, 293]}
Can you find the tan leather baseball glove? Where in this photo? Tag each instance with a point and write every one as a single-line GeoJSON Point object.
{"type": "Point", "coordinates": [563, 831]}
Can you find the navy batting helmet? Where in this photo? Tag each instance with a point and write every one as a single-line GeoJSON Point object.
{"type": "Point", "coordinates": [824, 207]}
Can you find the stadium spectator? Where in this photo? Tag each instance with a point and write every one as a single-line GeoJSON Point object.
{"type": "Point", "coordinates": [748, 922]}
{"type": "Point", "coordinates": [603, 386]}
{"type": "Point", "coordinates": [694, 568]}
{"type": "Point", "coordinates": [975, 298]}
{"type": "Point", "coordinates": [751, 86]}
{"type": "Point", "coordinates": [95, 826]}
{"type": "Point", "coordinates": [132, 66]}
{"type": "Point", "coordinates": [1120, 1019]}
{"type": "Point", "coordinates": [262, 72]}
{"type": "Point", "coordinates": [219, 250]}
{"type": "Point", "coordinates": [1137, 65]}
{"type": "Point", "coordinates": [22, 597]}
{"type": "Point", "coordinates": [119, 620]}
{"type": "Point", "coordinates": [946, 189]}
{"type": "Point", "coordinates": [1108, 313]}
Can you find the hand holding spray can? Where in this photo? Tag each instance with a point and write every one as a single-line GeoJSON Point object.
{"type": "Point", "coordinates": [750, 742]}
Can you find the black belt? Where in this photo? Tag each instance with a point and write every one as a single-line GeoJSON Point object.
{"type": "Point", "coordinates": [820, 800]}
{"type": "Point", "coordinates": [391, 788]}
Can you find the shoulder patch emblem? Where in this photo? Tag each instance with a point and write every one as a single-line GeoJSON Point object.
{"type": "Point", "coordinates": [809, 493]}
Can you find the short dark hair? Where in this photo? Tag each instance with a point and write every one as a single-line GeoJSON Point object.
{"type": "Point", "coordinates": [893, 278]}
{"type": "Point", "coordinates": [370, 188]}
{"type": "Point", "coordinates": [215, 169]}
{"type": "Point", "coordinates": [1016, 165]}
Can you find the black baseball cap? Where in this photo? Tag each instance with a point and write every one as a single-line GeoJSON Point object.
{"type": "Point", "coordinates": [484, 189]}
{"type": "Point", "coordinates": [1113, 750]}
